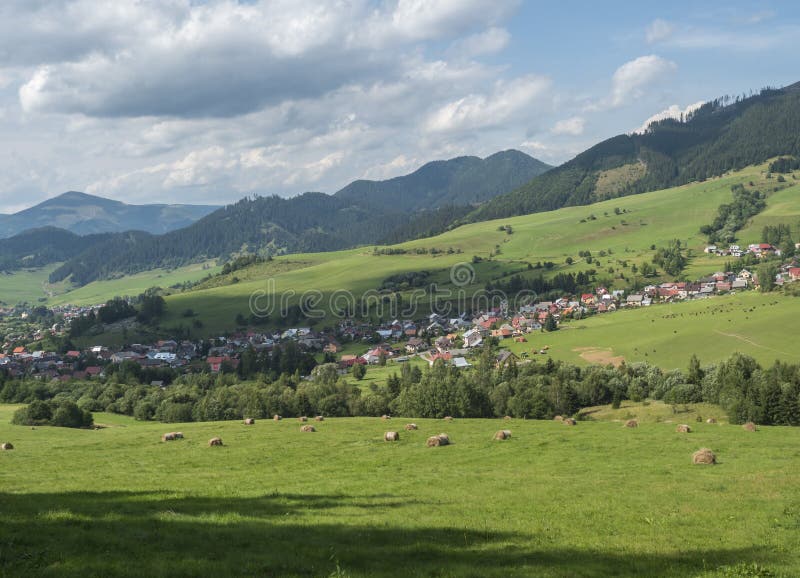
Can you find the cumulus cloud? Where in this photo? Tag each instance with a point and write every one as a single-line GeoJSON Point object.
{"type": "Point", "coordinates": [490, 41]}
{"type": "Point", "coordinates": [480, 110]}
{"type": "Point", "coordinates": [658, 31]}
{"type": "Point", "coordinates": [674, 111]}
{"type": "Point", "coordinates": [570, 126]}
{"type": "Point", "coordinates": [630, 79]}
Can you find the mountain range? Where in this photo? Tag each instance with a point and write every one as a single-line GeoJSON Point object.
{"type": "Point", "coordinates": [85, 214]}
{"type": "Point", "coordinates": [722, 135]}
{"type": "Point", "coordinates": [363, 212]}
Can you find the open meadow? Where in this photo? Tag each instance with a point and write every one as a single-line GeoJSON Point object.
{"type": "Point", "coordinates": [597, 499]}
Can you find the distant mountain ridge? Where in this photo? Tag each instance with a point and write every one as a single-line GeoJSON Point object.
{"type": "Point", "coordinates": [85, 214]}
{"type": "Point", "coordinates": [363, 212]}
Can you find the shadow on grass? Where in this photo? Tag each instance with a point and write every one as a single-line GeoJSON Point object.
{"type": "Point", "coordinates": [169, 534]}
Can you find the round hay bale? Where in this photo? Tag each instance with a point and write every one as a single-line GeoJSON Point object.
{"type": "Point", "coordinates": [178, 435]}
{"type": "Point", "coordinates": [447, 418]}
{"type": "Point", "coordinates": [384, 416]}
{"type": "Point", "coordinates": [502, 434]}
{"type": "Point", "coordinates": [391, 436]}
{"type": "Point", "coordinates": [440, 440]}
{"type": "Point", "coordinates": [507, 417]}
{"type": "Point", "coordinates": [276, 417]}
{"type": "Point", "coordinates": [749, 426]}
{"type": "Point", "coordinates": [558, 418]}
{"type": "Point", "coordinates": [569, 421]}
{"type": "Point", "coordinates": [7, 446]}
{"type": "Point", "coordinates": [249, 421]}
{"type": "Point", "coordinates": [302, 418]}
{"type": "Point", "coordinates": [683, 428]}
{"type": "Point", "coordinates": [411, 426]}
{"type": "Point", "coordinates": [704, 456]}
{"type": "Point", "coordinates": [711, 420]}
{"type": "Point", "coordinates": [168, 437]}
{"type": "Point", "coordinates": [631, 423]}
{"type": "Point", "coordinates": [214, 442]}
{"type": "Point", "coordinates": [308, 428]}
{"type": "Point", "coordinates": [319, 418]}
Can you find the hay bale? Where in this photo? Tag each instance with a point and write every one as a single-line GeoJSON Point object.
{"type": "Point", "coordinates": [440, 440]}
{"type": "Point", "coordinates": [214, 442]}
{"type": "Point", "coordinates": [631, 423]}
{"type": "Point", "coordinates": [704, 456]}
{"type": "Point", "coordinates": [558, 418]}
{"type": "Point", "coordinates": [302, 418]}
{"type": "Point", "coordinates": [249, 421]}
{"type": "Point", "coordinates": [711, 420]}
{"type": "Point", "coordinates": [276, 417]}
{"type": "Point", "coordinates": [7, 446]}
{"type": "Point", "coordinates": [447, 418]}
{"type": "Point", "coordinates": [178, 435]}
{"type": "Point", "coordinates": [391, 436]}
{"type": "Point", "coordinates": [319, 418]}
{"type": "Point", "coordinates": [507, 417]}
{"type": "Point", "coordinates": [411, 426]}
{"type": "Point", "coordinates": [168, 437]}
{"type": "Point", "coordinates": [569, 421]}
{"type": "Point", "coordinates": [749, 426]}
{"type": "Point", "coordinates": [308, 428]}
{"type": "Point", "coordinates": [683, 428]}
{"type": "Point", "coordinates": [503, 434]}
{"type": "Point", "coordinates": [384, 417]}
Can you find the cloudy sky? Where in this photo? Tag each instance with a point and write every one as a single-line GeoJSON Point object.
{"type": "Point", "coordinates": [192, 101]}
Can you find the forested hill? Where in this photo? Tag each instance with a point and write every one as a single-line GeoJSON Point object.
{"type": "Point", "coordinates": [364, 212]}
{"type": "Point", "coordinates": [722, 135]}
{"type": "Point", "coordinates": [87, 214]}
{"type": "Point", "coordinates": [459, 181]}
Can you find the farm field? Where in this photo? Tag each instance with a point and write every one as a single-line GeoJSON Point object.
{"type": "Point", "coordinates": [759, 325]}
{"type": "Point", "coordinates": [26, 285]}
{"type": "Point", "coordinates": [597, 499]}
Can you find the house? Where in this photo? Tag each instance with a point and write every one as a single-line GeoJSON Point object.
{"type": "Point", "coordinates": [745, 274]}
{"type": "Point", "coordinates": [94, 371]}
{"type": "Point", "coordinates": [215, 363]}
{"type": "Point", "coordinates": [634, 300]}
{"type": "Point", "coordinates": [504, 358]}
{"type": "Point", "coordinates": [444, 356]}
{"type": "Point", "coordinates": [415, 344]}
{"type": "Point", "coordinates": [502, 333]}
{"type": "Point", "coordinates": [443, 343]}
{"type": "Point", "coordinates": [461, 363]}
{"type": "Point", "coordinates": [710, 249]}
{"type": "Point", "coordinates": [473, 338]}
{"type": "Point", "coordinates": [332, 347]}
{"type": "Point", "coordinates": [794, 273]}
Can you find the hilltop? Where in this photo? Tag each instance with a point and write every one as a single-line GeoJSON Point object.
{"type": "Point", "coordinates": [85, 214]}
{"type": "Point", "coordinates": [722, 135]}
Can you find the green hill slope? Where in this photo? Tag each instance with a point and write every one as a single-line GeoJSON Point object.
{"type": "Point", "coordinates": [718, 137]}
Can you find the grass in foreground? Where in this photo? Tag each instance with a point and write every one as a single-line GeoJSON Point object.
{"type": "Point", "coordinates": [593, 500]}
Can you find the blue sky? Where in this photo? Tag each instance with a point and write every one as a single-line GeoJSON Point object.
{"type": "Point", "coordinates": [205, 102]}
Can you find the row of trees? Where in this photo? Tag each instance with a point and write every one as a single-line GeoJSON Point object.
{"type": "Point", "coordinates": [733, 216]}
{"type": "Point", "coordinates": [743, 388]}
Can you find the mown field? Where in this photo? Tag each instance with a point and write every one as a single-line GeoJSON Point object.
{"type": "Point", "coordinates": [597, 499]}
{"type": "Point", "coordinates": [762, 326]}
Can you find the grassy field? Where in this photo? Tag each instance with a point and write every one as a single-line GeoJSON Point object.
{"type": "Point", "coordinates": [26, 285]}
{"type": "Point", "coordinates": [762, 326]}
{"type": "Point", "coordinates": [643, 221]}
{"type": "Point", "coordinates": [593, 500]}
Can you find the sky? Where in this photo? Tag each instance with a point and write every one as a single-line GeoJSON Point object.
{"type": "Point", "coordinates": [205, 102]}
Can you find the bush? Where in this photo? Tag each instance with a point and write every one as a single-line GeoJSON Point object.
{"type": "Point", "coordinates": [63, 414]}
{"type": "Point", "coordinates": [68, 414]}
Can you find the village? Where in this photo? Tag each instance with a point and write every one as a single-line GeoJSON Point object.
{"type": "Point", "coordinates": [451, 339]}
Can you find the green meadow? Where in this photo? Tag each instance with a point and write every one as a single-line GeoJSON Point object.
{"type": "Point", "coordinates": [597, 499]}
{"type": "Point", "coordinates": [763, 326]}
{"type": "Point", "coordinates": [627, 227]}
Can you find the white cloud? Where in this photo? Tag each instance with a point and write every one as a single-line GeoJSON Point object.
{"type": "Point", "coordinates": [478, 110]}
{"type": "Point", "coordinates": [571, 126]}
{"type": "Point", "coordinates": [673, 111]}
{"type": "Point", "coordinates": [658, 31]}
{"type": "Point", "coordinates": [490, 41]}
{"type": "Point", "coordinates": [630, 79]}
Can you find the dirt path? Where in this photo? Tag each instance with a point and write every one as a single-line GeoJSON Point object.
{"type": "Point", "coordinates": [750, 342]}
{"type": "Point", "coordinates": [600, 355]}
